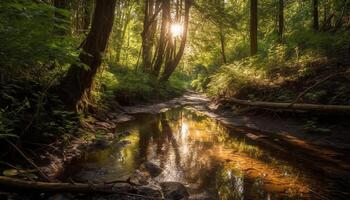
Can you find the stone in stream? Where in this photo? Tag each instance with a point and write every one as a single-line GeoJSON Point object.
{"type": "Point", "coordinates": [174, 191]}
{"type": "Point", "coordinates": [153, 169]}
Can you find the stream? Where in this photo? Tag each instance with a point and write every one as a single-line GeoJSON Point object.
{"type": "Point", "coordinates": [204, 155]}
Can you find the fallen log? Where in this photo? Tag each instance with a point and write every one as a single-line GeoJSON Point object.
{"type": "Point", "coordinates": [67, 187]}
{"type": "Point", "coordinates": [51, 187]}
{"type": "Point", "coordinates": [292, 107]}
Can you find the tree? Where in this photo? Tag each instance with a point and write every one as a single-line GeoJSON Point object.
{"type": "Point", "coordinates": [253, 27]}
{"type": "Point", "coordinates": [166, 53]}
{"type": "Point", "coordinates": [75, 86]}
{"type": "Point", "coordinates": [151, 11]}
{"type": "Point", "coordinates": [315, 24]}
{"type": "Point", "coordinates": [280, 19]}
{"type": "Point", "coordinates": [173, 58]}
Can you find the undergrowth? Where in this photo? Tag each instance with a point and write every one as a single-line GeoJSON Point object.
{"type": "Point", "coordinates": [129, 87]}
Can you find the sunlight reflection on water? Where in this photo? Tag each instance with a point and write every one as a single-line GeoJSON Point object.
{"type": "Point", "coordinates": [200, 153]}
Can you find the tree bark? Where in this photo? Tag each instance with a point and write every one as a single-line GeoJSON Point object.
{"type": "Point", "coordinates": [315, 24]}
{"type": "Point", "coordinates": [253, 27]}
{"type": "Point", "coordinates": [76, 85]}
{"type": "Point", "coordinates": [280, 20]}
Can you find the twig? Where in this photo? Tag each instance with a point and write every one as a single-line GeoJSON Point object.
{"type": "Point", "coordinates": [29, 160]}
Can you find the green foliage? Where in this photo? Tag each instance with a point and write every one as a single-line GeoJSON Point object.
{"type": "Point", "coordinates": [28, 31]}
{"type": "Point", "coordinates": [28, 111]}
{"type": "Point", "coordinates": [128, 86]}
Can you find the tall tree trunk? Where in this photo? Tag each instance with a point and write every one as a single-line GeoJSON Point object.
{"type": "Point", "coordinates": [76, 85]}
{"type": "Point", "coordinates": [280, 20]}
{"type": "Point", "coordinates": [315, 24]}
{"type": "Point", "coordinates": [149, 29]}
{"type": "Point", "coordinates": [172, 63]}
{"type": "Point", "coordinates": [60, 4]}
{"type": "Point", "coordinates": [163, 38]}
{"type": "Point", "coordinates": [88, 6]}
{"type": "Point", "coordinates": [253, 27]}
{"type": "Point", "coordinates": [222, 42]}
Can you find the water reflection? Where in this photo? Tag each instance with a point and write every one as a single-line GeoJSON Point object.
{"type": "Point", "coordinates": [199, 152]}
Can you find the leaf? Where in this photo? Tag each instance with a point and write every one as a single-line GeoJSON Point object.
{"type": "Point", "coordinates": [11, 172]}
{"type": "Point", "coordinates": [16, 172]}
{"type": "Point", "coordinates": [30, 175]}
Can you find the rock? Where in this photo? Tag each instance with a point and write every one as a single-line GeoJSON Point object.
{"type": "Point", "coordinates": [124, 118]}
{"type": "Point", "coordinates": [102, 124]}
{"type": "Point", "coordinates": [123, 133]}
{"type": "Point", "coordinates": [174, 191]}
{"type": "Point", "coordinates": [122, 187]}
{"type": "Point", "coordinates": [109, 136]}
{"type": "Point", "coordinates": [149, 191]}
{"type": "Point", "coordinates": [122, 143]}
{"type": "Point", "coordinates": [202, 196]}
{"type": "Point", "coordinates": [61, 197]}
{"type": "Point", "coordinates": [153, 169]}
{"type": "Point", "coordinates": [102, 143]}
{"type": "Point", "coordinates": [140, 178]}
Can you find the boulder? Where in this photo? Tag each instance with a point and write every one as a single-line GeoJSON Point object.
{"type": "Point", "coordinates": [153, 169]}
{"type": "Point", "coordinates": [174, 191]}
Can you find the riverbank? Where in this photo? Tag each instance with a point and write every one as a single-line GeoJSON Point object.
{"type": "Point", "coordinates": [323, 154]}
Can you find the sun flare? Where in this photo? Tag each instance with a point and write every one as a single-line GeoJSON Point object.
{"type": "Point", "coordinates": [176, 30]}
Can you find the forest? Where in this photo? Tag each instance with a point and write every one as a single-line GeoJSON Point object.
{"type": "Point", "coordinates": [174, 99]}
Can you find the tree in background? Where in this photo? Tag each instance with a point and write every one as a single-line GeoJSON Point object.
{"type": "Point", "coordinates": [173, 29]}
{"type": "Point", "coordinates": [315, 24]}
{"type": "Point", "coordinates": [253, 27]}
{"type": "Point", "coordinates": [280, 19]}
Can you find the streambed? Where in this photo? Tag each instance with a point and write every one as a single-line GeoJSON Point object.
{"type": "Point", "coordinates": [199, 152]}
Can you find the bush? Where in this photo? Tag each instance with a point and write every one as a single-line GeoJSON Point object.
{"type": "Point", "coordinates": [130, 87]}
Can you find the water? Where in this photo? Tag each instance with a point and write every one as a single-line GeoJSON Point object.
{"type": "Point", "coordinates": [199, 152]}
